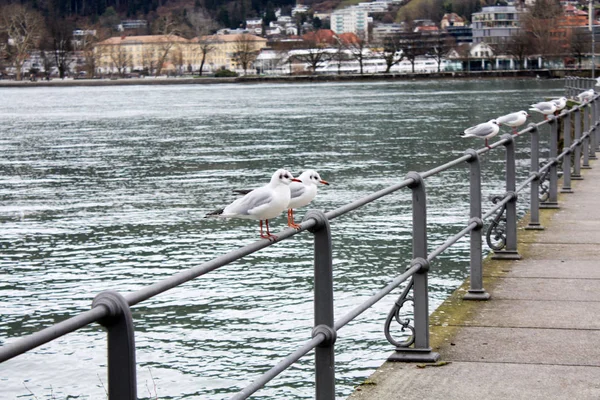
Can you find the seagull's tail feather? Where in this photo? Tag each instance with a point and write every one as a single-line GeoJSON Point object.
{"type": "Point", "coordinates": [534, 109]}
{"type": "Point", "coordinates": [465, 135]}
{"type": "Point", "coordinates": [215, 213]}
{"type": "Point", "coordinates": [242, 191]}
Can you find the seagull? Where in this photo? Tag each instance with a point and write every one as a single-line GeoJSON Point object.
{"type": "Point", "coordinates": [560, 103]}
{"type": "Point", "coordinates": [544, 107]}
{"type": "Point", "coordinates": [485, 131]}
{"type": "Point", "coordinates": [303, 193]}
{"type": "Point", "coordinates": [597, 81]}
{"type": "Point", "coordinates": [263, 203]}
{"type": "Point", "coordinates": [513, 120]}
{"type": "Point", "coordinates": [586, 96]}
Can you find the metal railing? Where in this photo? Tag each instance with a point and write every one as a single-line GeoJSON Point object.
{"type": "Point", "coordinates": [112, 310]}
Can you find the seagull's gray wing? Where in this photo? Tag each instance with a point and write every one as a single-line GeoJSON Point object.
{"type": "Point", "coordinates": [243, 206]}
{"type": "Point", "coordinates": [242, 191]}
{"type": "Point", "coordinates": [297, 190]}
{"type": "Point", "coordinates": [480, 130]}
{"type": "Point", "coordinates": [508, 118]}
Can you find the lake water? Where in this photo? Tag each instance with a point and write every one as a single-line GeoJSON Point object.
{"type": "Point", "coordinates": [107, 188]}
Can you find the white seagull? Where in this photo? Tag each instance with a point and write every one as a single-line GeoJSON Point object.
{"type": "Point", "coordinates": [263, 203]}
{"type": "Point", "coordinates": [586, 96]}
{"type": "Point", "coordinates": [485, 131]}
{"type": "Point", "coordinates": [513, 120]}
{"type": "Point", "coordinates": [303, 193]}
{"type": "Point", "coordinates": [544, 107]}
{"type": "Point", "coordinates": [560, 103]}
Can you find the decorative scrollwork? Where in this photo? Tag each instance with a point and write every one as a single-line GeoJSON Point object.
{"type": "Point", "coordinates": [497, 228]}
{"type": "Point", "coordinates": [544, 183]}
{"type": "Point", "coordinates": [394, 314]}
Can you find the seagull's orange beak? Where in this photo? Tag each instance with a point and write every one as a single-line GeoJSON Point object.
{"type": "Point", "coordinates": [324, 182]}
{"type": "Point", "coordinates": [296, 180]}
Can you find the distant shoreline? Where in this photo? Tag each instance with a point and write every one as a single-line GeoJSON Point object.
{"type": "Point", "coordinates": [544, 73]}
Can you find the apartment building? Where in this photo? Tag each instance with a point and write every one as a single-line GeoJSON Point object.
{"type": "Point", "coordinates": [495, 24]}
{"type": "Point", "coordinates": [352, 20]}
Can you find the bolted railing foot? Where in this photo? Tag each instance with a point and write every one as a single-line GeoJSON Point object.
{"type": "Point", "coordinates": [576, 177]}
{"type": "Point", "coordinates": [566, 190]}
{"type": "Point", "coordinates": [506, 255]}
{"type": "Point", "coordinates": [534, 227]}
{"type": "Point", "coordinates": [480, 295]}
{"type": "Point", "coordinates": [414, 355]}
{"type": "Point", "coordinates": [549, 205]}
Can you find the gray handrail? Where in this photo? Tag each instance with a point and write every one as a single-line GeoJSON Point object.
{"type": "Point", "coordinates": [112, 310]}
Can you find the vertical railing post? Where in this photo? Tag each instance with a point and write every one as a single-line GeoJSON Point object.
{"type": "Point", "coordinates": [510, 250]}
{"type": "Point", "coordinates": [476, 290]}
{"type": "Point", "coordinates": [593, 135]}
{"type": "Point", "coordinates": [534, 198]}
{"type": "Point", "coordinates": [566, 187]}
{"type": "Point", "coordinates": [552, 201]}
{"type": "Point", "coordinates": [121, 345]}
{"type": "Point", "coordinates": [596, 105]}
{"type": "Point", "coordinates": [421, 352]}
{"type": "Point", "coordinates": [586, 137]}
{"type": "Point", "coordinates": [576, 175]}
{"type": "Point", "coordinates": [323, 304]}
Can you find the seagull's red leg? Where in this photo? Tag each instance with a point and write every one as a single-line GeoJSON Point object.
{"type": "Point", "coordinates": [515, 130]}
{"type": "Point", "coordinates": [268, 235]}
{"type": "Point", "coordinates": [487, 145]}
{"type": "Point", "coordinates": [291, 222]}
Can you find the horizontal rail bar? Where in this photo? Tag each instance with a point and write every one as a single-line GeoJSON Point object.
{"type": "Point", "coordinates": [376, 297]}
{"type": "Point", "coordinates": [44, 336]}
{"type": "Point", "coordinates": [367, 199]}
{"type": "Point", "coordinates": [450, 241]}
{"type": "Point", "coordinates": [531, 178]}
{"type": "Point", "coordinates": [279, 368]}
{"type": "Point", "coordinates": [444, 167]}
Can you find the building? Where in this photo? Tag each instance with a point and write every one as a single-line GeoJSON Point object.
{"type": "Point", "coordinates": [495, 24]}
{"type": "Point", "coordinates": [381, 31]}
{"type": "Point", "coordinates": [451, 19]}
{"type": "Point", "coordinates": [461, 34]}
{"type": "Point", "coordinates": [351, 19]}
{"type": "Point", "coordinates": [144, 53]}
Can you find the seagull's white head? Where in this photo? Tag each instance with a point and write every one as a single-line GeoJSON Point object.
{"type": "Point", "coordinates": [283, 177]}
{"type": "Point", "coordinates": [524, 113]}
{"type": "Point", "coordinates": [312, 176]}
{"type": "Point", "coordinates": [493, 121]}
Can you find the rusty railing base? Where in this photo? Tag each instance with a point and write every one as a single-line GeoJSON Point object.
{"type": "Point", "coordinates": [414, 355]}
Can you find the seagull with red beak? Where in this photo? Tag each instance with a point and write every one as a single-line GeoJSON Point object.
{"type": "Point", "coordinates": [302, 193]}
{"type": "Point", "coordinates": [263, 204]}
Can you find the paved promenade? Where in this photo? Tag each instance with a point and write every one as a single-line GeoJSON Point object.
{"type": "Point", "coordinates": [539, 335]}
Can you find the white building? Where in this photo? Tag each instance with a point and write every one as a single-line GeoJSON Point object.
{"type": "Point", "coordinates": [352, 19]}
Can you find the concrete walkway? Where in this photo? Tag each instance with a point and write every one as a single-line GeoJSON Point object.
{"type": "Point", "coordinates": [539, 335]}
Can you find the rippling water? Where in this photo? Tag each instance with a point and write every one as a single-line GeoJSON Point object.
{"type": "Point", "coordinates": [106, 188]}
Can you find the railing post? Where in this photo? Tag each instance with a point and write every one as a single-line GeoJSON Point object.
{"type": "Point", "coordinates": [121, 345]}
{"type": "Point", "coordinates": [566, 188]}
{"type": "Point", "coordinates": [552, 201]}
{"type": "Point", "coordinates": [323, 304]}
{"type": "Point", "coordinates": [586, 137]}
{"type": "Point", "coordinates": [576, 175]}
{"type": "Point", "coordinates": [534, 199]}
{"type": "Point", "coordinates": [421, 352]}
{"type": "Point", "coordinates": [476, 290]}
{"type": "Point", "coordinates": [596, 104]}
{"type": "Point", "coordinates": [593, 135]}
{"type": "Point", "coordinates": [510, 250]}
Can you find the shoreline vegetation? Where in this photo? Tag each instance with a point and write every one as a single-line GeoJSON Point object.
{"type": "Point", "coordinates": [535, 74]}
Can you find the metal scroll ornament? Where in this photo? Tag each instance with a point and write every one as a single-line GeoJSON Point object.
{"type": "Point", "coordinates": [496, 232]}
{"type": "Point", "coordinates": [394, 314]}
{"type": "Point", "coordinates": [544, 183]}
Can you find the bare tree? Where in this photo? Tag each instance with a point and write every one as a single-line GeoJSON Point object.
{"type": "Point", "coordinates": [166, 28]}
{"type": "Point", "coordinates": [390, 50]}
{"type": "Point", "coordinates": [202, 26]}
{"type": "Point", "coordinates": [438, 45]}
{"type": "Point", "coordinates": [314, 50]}
{"type": "Point", "coordinates": [580, 43]}
{"type": "Point", "coordinates": [23, 28]}
{"type": "Point", "coordinates": [148, 60]}
{"type": "Point", "coordinates": [177, 59]}
{"type": "Point", "coordinates": [60, 43]}
{"type": "Point", "coordinates": [120, 58]}
{"type": "Point", "coordinates": [359, 49]}
{"type": "Point", "coordinates": [246, 51]}
{"type": "Point", "coordinates": [412, 46]}
{"type": "Point", "coordinates": [519, 47]}
{"type": "Point", "coordinates": [203, 46]}
{"type": "Point", "coordinates": [540, 22]}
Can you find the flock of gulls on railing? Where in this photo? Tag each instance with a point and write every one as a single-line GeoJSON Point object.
{"type": "Point", "coordinates": [491, 128]}
{"type": "Point", "coordinates": [286, 192]}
